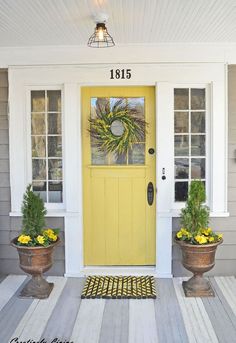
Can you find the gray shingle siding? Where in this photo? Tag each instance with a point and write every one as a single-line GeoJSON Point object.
{"type": "Point", "coordinates": [226, 253]}
{"type": "Point", "coordinates": [10, 226]}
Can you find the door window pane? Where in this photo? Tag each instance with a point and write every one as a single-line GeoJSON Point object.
{"type": "Point", "coordinates": [137, 154]}
{"type": "Point", "coordinates": [119, 159]}
{"type": "Point", "coordinates": [106, 109]}
{"type": "Point", "coordinates": [181, 191]}
{"type": "Point", "coordinates": [54, 101]}
{"type": "Point", "coordinates": [55, 191]}
{"type": "Point", "coordinates": [40, 187]}
{"type": "Point", "coordinates": [181, 168]}
{"type": "Point", "coordinates": [37, 101]}
{"type": "Point", "coordinates": [46, 144]}
{"type": "Point", "coordinates": [198, 122]}
{"type": "Point", "coordinates": [189, 138]}
{"type": "Point", "coordinates": [198, 99]}
{"type": "Point", "coordinates": [181, 99]}
{"type": "Point", "coordinates": [98, 157]}
{"type": "Point", "coordinates": [54, 123]}
{"type": "Point", "coordinates": [181, 145]}
{"type": "Point", "coordinates": [54, 146]}
{"type": "Point", "coordinates": [38, 146]}
{"type": "Point", "coordinates": [38, 125]}
{"type": "Point", "coordinates": [39, 169]}
{"type": "Point", "coordinates": [198, 145]}
{"type": "Point", "coordinates": [54, 169]}
{"type": "Point", "coordinates": [138, 105]}
{"type": "Point", "coordinates": [181, 122]}
{"type": "Point", "coordinates": [198, 168]}
{"type": "Point", "coordinates": [99, 106]}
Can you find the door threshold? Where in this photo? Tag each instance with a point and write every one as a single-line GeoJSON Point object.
{"type": "Point", "coordinates": [120, 270]}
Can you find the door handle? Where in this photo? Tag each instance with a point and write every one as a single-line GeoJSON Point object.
{"type": "Point", "coordinates": [150, 193]}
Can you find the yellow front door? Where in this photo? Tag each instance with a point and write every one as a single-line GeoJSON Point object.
{"type": "Point", "coordinates": [118, 217]}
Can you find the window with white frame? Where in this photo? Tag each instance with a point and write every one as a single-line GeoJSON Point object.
{"type": "Point", "coordinates": [189, 138]}
{"type": "Point", "coordinates": [46, 145]}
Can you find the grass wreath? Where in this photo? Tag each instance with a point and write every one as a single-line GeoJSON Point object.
{"type": "Point", "coordinates": [100, 127]}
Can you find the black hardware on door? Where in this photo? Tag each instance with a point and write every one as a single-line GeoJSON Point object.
{"type": "Point", "coordinates": [163, 174]}
{"type": "Point", "coordinates": [151, 151]}
{"type": "Point", "coordinates": [150, 193]}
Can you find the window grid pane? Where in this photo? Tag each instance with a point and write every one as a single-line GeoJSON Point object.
{"type": "Point", "coordinates": [189, 138]}
{"type": "Point", "coordinates": [47, 171]}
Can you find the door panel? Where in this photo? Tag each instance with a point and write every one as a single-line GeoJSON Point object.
{"type": "Point", "coordinates": [119, 225]}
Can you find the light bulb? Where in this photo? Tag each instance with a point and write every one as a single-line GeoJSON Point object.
{"type": "Point", "coordinates": [100, 33]}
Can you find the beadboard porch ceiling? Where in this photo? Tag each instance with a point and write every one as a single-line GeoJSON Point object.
{"type": "Point", "coordinates": [70, 22]}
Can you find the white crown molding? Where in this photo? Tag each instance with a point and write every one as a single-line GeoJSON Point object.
{"type": "Point", "coordinates": [160, 53]}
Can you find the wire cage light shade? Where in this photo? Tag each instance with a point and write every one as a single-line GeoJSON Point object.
{"type": "Point", "coordinates": [100, 38]}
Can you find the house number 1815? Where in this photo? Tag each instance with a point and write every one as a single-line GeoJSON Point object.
{"type": "Point", "coordinates": [120, 74]}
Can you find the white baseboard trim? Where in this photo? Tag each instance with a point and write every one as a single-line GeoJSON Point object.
{"type": "Point", "coordinates": [74, 275]}
{"type": "Point", "coordinates": [164, 275]}
{"type": "Point", "coordinates": [124, 271]}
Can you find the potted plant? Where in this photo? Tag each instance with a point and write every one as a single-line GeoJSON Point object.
{"type": "Point", "coordinates": [197, 241]}
{"type": "Point", "coordinates": [35, 245]}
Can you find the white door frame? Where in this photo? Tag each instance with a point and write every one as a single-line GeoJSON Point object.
{"type": "Point", "coordinates": [163, 225]}
{"type": "Point", "coordinates": [71, 78]}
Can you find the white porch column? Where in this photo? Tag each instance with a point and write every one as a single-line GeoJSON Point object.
{"type": "Point", "coordinates": [73, 180]}
{"type": "Point", "coordinates": [164, 167]}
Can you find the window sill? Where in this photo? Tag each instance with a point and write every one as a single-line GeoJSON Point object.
{"type": "Point", "coordinates": [176, 214]}
{"type": "Point", "coordinates": [50, 213]}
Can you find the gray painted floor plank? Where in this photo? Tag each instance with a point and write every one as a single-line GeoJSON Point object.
{"type": "Point", "coordinates": [115, 324]}
{"type": "Point", "coordinates": [88, 322]}
{"type": "Point", "coordinates": [62, 320]}
{"type": "Point", "coordinates": [170, 324]}
{"type": "Point", "coordinates": [224, 304]}
{"type": "Point", "coordinates": [2, 277]}
{"type": "Point", "coordinates": [12, 313]}
{"type": "Point", "coordinates": [115, 321]}
{"type": "Point", "coordinates": [222, 317]}
{"type": "Point", "coordinates": [142, 322]}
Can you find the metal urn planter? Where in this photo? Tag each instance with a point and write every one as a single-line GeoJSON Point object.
{"type": "Point", "coordinates": [198, 259]}
{"type": "Point", "coordinates": [36, 261]}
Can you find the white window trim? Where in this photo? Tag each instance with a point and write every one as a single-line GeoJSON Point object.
{"type": "Point", "coordinates": [216, 172]}
{"type": "Point", "coordinates": [28, 89]}
{"type": "Point", "coordinates": [23, 124]}
{"type": "Point", "coordinates": [177, 205]}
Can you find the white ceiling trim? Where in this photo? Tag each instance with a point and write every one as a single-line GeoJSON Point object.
{"type": "Point", "coordinates": [163, 53]}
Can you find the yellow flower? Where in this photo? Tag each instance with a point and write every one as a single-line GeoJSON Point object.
{"type": "Point", "coordinates": [200, 239]}
{"type": "Point", "coordinates": [179, 234]}
{"type": "Point", "coordinates": [53, 237]}
{"type": "Point", "coordinates": [219, 235]}
{"type": "Point", "coordinates": [23, 239]}
{"type": "Point", "coordinates": [211, 239]}
{"type": "Point", "coordinates": [186, 233]}
{"type": "Point", "coordinates": [40, 239]}
{"type": "Point", "coordinates": [207, 231]}
{"type": "Point", "coordinates": [49, 232]}
{"type": "Point", "coordinates": [183, 232]}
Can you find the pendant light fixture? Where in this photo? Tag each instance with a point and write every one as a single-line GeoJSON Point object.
{"type": "Point", "coordinates": [100, 38]}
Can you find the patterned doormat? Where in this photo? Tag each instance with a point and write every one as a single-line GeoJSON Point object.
{"type": "Point", "coordinates": [119, 287]}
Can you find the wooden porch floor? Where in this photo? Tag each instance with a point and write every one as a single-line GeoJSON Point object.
{"type": "Point", "coordinates": [64, 317]}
